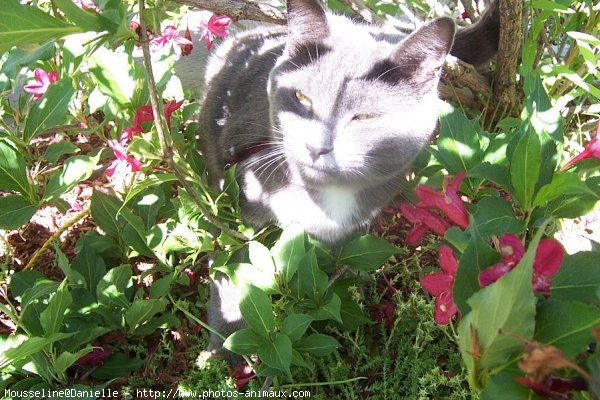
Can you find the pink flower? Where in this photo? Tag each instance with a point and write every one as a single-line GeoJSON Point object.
{"type": "Point", "coordinates": [216, 26]}
{"type": "Point", "coordinates": [591, 150]}
{"type": "Point", "coordinates": [169, 36]}
{"type": "Point", "coordinates": [424, 221]}
{"type": "Point", "coordinates": [448, 201]}
{"type": "Point", "coordinates": [43, 80]}
{"type": "Point", "coordinates": [122, 159]}
{"type": "Point", "coordinates": [547, 261]}
{"type": "Point", "coordinates": [145, 114]}
{"type": "Point", "coordinates": [440, 286]}
{"type": "Point", "coordinates": [86, 5]}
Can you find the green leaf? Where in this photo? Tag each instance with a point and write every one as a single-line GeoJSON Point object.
{"type": "Point", "coordinates": [248, 274]}
{"type": "Point", "coordinates": [53, 316]}
{"type": "Point", "coordinates": [89, 21]}
{"type": "Point", "coordinates": [563, 183]}
{"type": "Point", "coordinates": [525, 168]}
{"type": "Point", "coordinates": [116, 287]}
{"type": "Point", "coordinates": [74, 170]}
{"type": "Point", "coordinates": [104, 209]}
{"type": "Point", "coordinates": [507, 305]}
{"type": "Point", "coordinates": [20, 24]}
{"type": "Point", "coordinates": [495, 216]}
{"type": "Point", "coordinates": [160, 287]}
{"type": "Point", "coordinates": [261, 259]}
{"type": "Point", "coordinates": [15, 211]}
{"type": "Point", "coordinates": [566, 325]}
{"type": "Point", "coordinates": [29, 347]}
{"type": "Point", "coordinates": [477, 256]}
{"type": "Point", "coordinates": [497, 174]}
{"type": "Point", "coordinates": [255, 307]}
{"type": "Point", "coordinates": [313, 281]}
{"type": "Point", "coordinates": [164, 321]}
{"type": "Point", "coordinates": [90, 265]}
{"type": "Point", "coordinates": [367, 252]}
{"type": "Point", "coordinates": [66, 359]}
{"type": "Point", "coordinates": [50, 110]}
{"type": "Point", "coordinates": [288, 251]}
{"type": "Point", "coordinates": [299, 361]}
{"type": "Point", "coordinates": [578, 278]}
{"type": "Point", "coordinates": [294, 325]}
{"type": "Point", "coordinates": [116, 366]}
{"type": "Point", "coordinates": [13, 173]}
{"type": "Point", "coordinates": [113, 74]}
{"type": "Point", "coordinates": [329, 310]}
{"type": "Point", "coordinates": [458, 141]}
{"type": "Point", "coordinates": [57, 150]}
{"type": "Point", "coordinates": [142, 311]}
{"type": "Point", "coordinates": [245, 342]}
{"type": "Point", "coordinates": [134, 232]}
{"type": "Point", "coordinates": [504, 386]}
{"type": "Point", "coordinates": [277, 354]}
{"type": "Point", "coordinates": [317, 344]}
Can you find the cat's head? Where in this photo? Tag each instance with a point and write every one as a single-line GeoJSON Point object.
{"type": "Point", "coordinates": [354, 105]}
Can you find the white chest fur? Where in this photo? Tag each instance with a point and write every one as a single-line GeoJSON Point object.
{"type": "Point", "coordinates": [330, 213]}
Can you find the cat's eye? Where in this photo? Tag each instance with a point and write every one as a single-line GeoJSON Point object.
{"type": "Point", "coordinates": [365, 117]}
{"type": "Point", "coordinates": [304, 100]}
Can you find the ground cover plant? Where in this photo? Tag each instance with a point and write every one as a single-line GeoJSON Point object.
{"type": "Point", "coordinates": [460, 289]}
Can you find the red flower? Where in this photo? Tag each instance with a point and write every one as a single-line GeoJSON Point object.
{"type": "Point", "coordinates": [424, 221]}
{"type": "Point", "coordinates": [447, 201]}
{"type": "Point", "coordinates": [95, 357]}
{"type": "Point", "coordinates": [122, 159]}
{"type": "Point", "coordinates": [216, 26]}
{"type": "Point", "coordinates": [384, 312]}
{"type": "Point", "coordinates": [440, 284]}
{"type": "Point", "coordinates": [186, 49]}
{"type": "Point", "coordinates": [169, 108]}
{"type": "Point", "coordinates": [43, 80]}
{"type": "Point", "coordinates": [591, 150]}
{"type": "Point", "coordinates": [170, 35]}
{"type": "Point", "coordinates": [242, 373]}
{"type": "Point", "coordinates": [548, 258]}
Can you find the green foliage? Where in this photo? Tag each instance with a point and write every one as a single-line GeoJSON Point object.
{"type": "Point", "coordinates": [145, 261]}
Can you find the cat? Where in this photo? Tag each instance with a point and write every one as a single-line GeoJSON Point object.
{"type": "Point", "coordinates": [323, 118]}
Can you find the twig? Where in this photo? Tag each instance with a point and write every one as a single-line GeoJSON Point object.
{"type": "Point", "coordinates": [39, 252]}
{"type": "Point", "coordinates": [336, 275]}
{"type": "Point", "coordinates": [359, 7]}
{"type": "Point", "coordinates": [239, 10]}
{"type": "Point", "coordinates": [473, 14]}
{"type": "Point", "coordinates": [166, 150]}
{"type": "Point", "coordinates": [57, 129]}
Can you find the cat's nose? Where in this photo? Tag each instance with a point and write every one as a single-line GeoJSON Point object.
{"type": "Point", "coordinates": [316, 152]}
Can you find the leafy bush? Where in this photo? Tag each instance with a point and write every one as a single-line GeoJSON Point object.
{"type": "Point", "coordinates": [519, 318]}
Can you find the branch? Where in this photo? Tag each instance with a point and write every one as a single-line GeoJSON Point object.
{"type": "Point", "coordinates": [462, 83]}
{"type": "Point", "coordinates": [509, 50]}
{"type": "Point", "coordinates": [240, 9]}
{"type": "Point", "coordinates": [359, 7]}
{"type": "Point", "coordinates": [166, 150]}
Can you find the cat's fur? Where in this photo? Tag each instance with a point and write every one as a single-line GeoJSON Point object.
{"type": "Point", "coordinates": [323, 119]}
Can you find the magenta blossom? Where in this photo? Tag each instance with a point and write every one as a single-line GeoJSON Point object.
{"type": "Point", "coordinates": [43, 80]}
{"type": "Point", "coordinates": [186, 49]}
{"type": "Point", "coordinates": [448, 201]}
{"type": "Point", "coordinates": [86, 5]}
{"type": "Point", "coordinates": [591, 150]}
{"type": "Point", "coordinates": [440, 284]}
{"type": "Point", "coordinates": [170, 36]}
{"type": "Point", "coordinates": [123, 161]}
{"type": "Point", "coordinates": [215, 27]}
{"type": "Point", "coordinates": [547, 261]}
{"type": "Point", "coordinates": [424, 221]}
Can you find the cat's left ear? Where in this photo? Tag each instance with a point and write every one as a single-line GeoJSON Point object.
{"type": "Point", "coordinates": [307, 23]}
{"type": "Point", "coordinates": [422, 54]}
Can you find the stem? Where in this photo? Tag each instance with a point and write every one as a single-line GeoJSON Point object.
{"type": "Point", "coordinates": [55, 236]}
{"type": "Point", "coordinates": [292, 385]}
{"type": "Point", "coordinates": [166, 150]}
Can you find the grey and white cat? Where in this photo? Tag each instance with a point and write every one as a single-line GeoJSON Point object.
{"type": "Point", "coordinates": [323, 119]}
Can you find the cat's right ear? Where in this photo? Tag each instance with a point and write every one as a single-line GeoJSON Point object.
{"type": "Point", "coordinates": [422, 54]}
{"type": "Point", "coordinates": [307, 23]}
